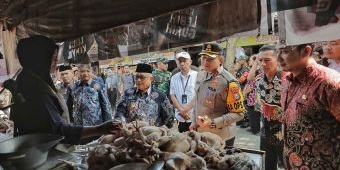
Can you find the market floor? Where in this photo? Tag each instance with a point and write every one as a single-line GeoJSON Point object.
{"type": "Point", "coordinates": [245, 139]}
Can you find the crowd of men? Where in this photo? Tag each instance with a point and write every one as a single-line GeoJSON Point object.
{"type": "Point", "coordinates": [282, 94]}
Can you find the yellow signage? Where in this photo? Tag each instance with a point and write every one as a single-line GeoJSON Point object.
{"type": "Point", "coordinates": [256, 40]}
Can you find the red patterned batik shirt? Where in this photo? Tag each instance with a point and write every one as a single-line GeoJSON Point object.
{"type": "Point", "coordinates": [312, 120]}
{"type": "Point", "coordinates": [271, 109]}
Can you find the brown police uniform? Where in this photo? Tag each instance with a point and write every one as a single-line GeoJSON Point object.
{"type": "Point", "coordinates": [219, 97]}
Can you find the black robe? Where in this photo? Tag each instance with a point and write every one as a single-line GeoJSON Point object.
{"type": "Point", "coordinates": [41, 111]}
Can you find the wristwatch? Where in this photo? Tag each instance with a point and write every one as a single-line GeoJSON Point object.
{"type": "Point", "coordinates": [213, 124]}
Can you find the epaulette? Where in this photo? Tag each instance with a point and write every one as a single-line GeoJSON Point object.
{"type": "Point", "coordinates": [228, 76]}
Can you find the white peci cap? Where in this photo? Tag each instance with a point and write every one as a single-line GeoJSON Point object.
{"type": "Point", "coordinates": [183, 54]}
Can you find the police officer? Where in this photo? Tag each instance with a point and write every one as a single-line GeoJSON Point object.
{"type": "Point", "coordinates": [219, 100]}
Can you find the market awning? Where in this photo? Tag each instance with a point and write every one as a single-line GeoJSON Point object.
{"type": "Point", "coordinates": [67, 19]}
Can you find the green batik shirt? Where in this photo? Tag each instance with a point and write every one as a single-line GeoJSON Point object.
{"type": "Point", "coordinates": [161, 81]}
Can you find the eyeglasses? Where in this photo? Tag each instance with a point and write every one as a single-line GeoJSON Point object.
{"type": "Point", "coordinates": [141, 77]}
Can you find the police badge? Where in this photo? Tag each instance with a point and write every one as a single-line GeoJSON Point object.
{"type": "Point", "coordinates": [236, 96]}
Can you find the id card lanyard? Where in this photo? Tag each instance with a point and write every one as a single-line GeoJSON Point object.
{"type": "Point", "coordinates": [184, 96]}
{"type": "Point", "coordinates": [186, 84]}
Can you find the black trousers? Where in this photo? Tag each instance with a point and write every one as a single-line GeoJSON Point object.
{"type": "Point", "coordinates": [254, 119]}
{"type": "Point", "coordinates": [113, 96]}
{"type": "Point", "coordinates": [274, 153]}
{"type": "Point", "coordinates": [183, 126]}
{"type": "Point", "coordinates": [245, 118]}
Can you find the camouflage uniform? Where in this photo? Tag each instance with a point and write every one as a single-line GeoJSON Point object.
{"type": "Point", "coordinates": [162, 81]}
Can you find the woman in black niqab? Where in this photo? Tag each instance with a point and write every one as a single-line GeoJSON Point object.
{"type": "Point", "coordinates": [41, 111]}
{"type": "Point", "coordinates": [35, 54]}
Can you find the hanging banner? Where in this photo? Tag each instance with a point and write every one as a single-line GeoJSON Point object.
{"type": "Point", "coordinates": [76, 51]}
{"type": "Point", "coordinates": [93, 52]}
{"type": "Point", "coordinates": [194, 25]}
{"type": "Point", "coordinates": [318, 22]}
{"type": "Point", "coordinates": [189, 26]}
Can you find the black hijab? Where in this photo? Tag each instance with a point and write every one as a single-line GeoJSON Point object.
{"type": "Point", "coordinates": [35, 54]}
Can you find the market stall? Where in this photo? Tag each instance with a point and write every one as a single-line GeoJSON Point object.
{"type": "Point", "coordinates": [139, 143]}
{"type": "Point", "coordinates": [137, 30]}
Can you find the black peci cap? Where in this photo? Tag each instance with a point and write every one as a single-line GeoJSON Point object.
{"type": "Point", "coordinates": [144, 68]}
{"type": "Point", "coordinates": [63, 68]}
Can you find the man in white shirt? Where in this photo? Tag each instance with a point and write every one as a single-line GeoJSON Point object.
{"type": "Point", "coordinates": [182, 91]}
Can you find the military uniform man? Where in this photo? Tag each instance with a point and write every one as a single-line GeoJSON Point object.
{"type": "Point", "coordinates": [162, 76]}
{"type": "Point", "coordinates": [219, 100]}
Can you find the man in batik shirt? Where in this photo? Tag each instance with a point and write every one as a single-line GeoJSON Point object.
{"type": "Point", "coordinates": [241, 75]}
{"type": "Point", "coordinates": [144, 102]}
{"type": "Point", "coordinates": [162, 76]}
{"type": "Point", "coordinates": [312, 111]}
{"type": "Point", "coordinates": [66, 74]}
{"type": "Point", "coordinates": [88, 100]}
{"type": "Point", "coordinates": [250, 94]}
{"type": "Point", "coordinates": [242, 72]}
{"type": "Point", "coordinates": [269, 85]}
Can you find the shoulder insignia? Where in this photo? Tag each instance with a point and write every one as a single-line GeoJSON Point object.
{"type": "Point", "coordinates": [228, 76]}
{"type": "Point", "coordinates": [235, 99]}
